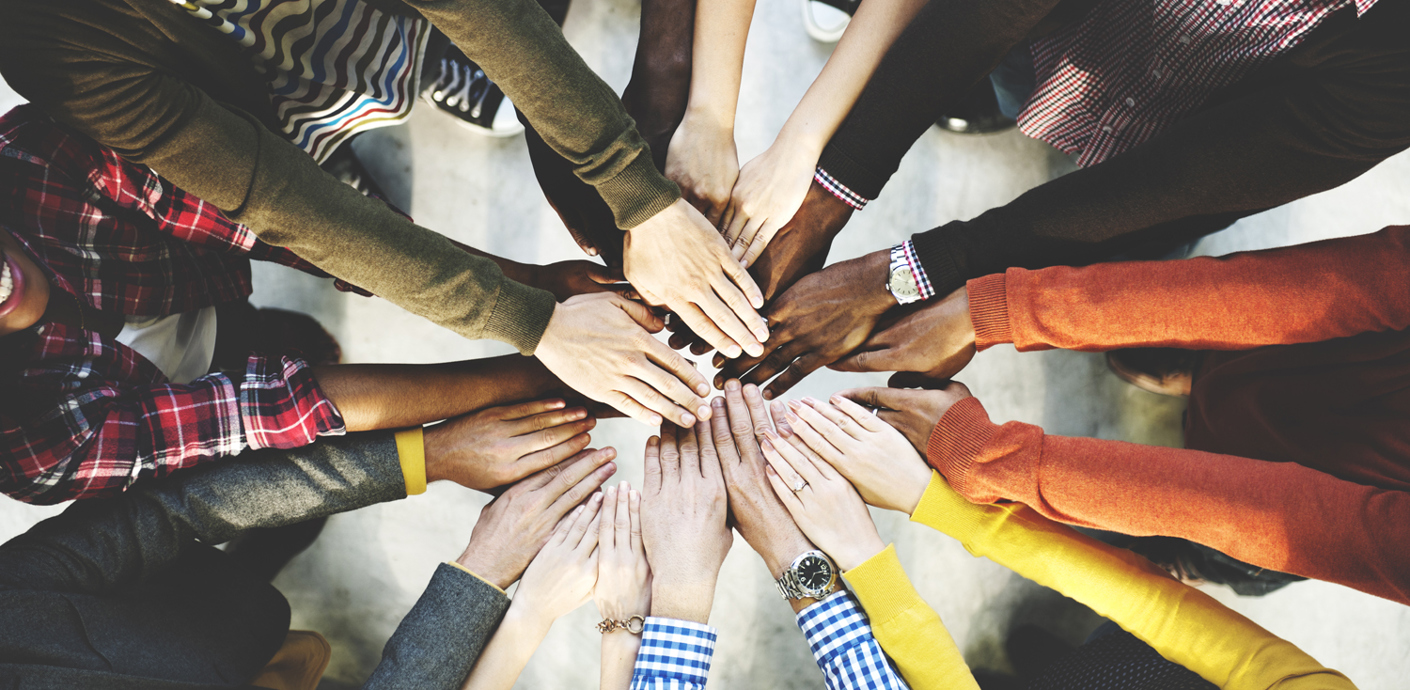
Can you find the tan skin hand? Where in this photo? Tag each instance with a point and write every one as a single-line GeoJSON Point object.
{"type": "Point", "coordinates": [601, 346]}
{"type": "Point", "coordinates": [876, 458]}
{"type": "Point", "coordinates": [936, 340]}
{"type": "Point", "coordinates": [501, 445]}
{"type": "Point", "coordinates": [819, 320]}
{"type": "Point", "coordinates": [623, 573]}
{"type": "Point", "coordinates": [914, 413]}
{"type": "Point", "coordinates": [702, 159]}
{"type": "Point", "coordinates": [515, 526]}
{"type": "Point", "coordinates": [566, 279]}
{"type": "Point", "coordinates": [562, 576]}
{"type": "Point", "coordinates": [683, 510]}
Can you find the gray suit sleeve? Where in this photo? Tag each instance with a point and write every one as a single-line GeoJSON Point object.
{"type": "Point", "coordinates": [439, 641]}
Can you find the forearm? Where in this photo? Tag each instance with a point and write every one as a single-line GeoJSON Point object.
{"type": "Point", "coordinates": [831, 96]}
{"type": "Point", "coordinates": [519, 634]}
{"type": "Point", "coordinates": [1305, 293]}
{"type": "Point", "coordinates": [391, 396]}
{"type": "Point", "coordinates": [1185, 625]}
{"type": "Point", "coordinates": [1277, 515]}
{"type": "Point", "coordinates": [619, 651]}
{"type": "Point", "coordinates": [721, 30]}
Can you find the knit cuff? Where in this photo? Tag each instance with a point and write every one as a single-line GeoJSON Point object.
{"type": "Point", "coordinates": [639, 192]}
{"type": "Point", "coordinates": [851, 174]}
{"type": "Point", "coordinates": [881, 585]}
{"type": "Point", "coordinates": [935, 257]}
{"type": "Point", "coordinates": [957, 440]}
{"type": "Point", "coordinates": [520, 315]}
{"type": "Point", "coordinates": [989, 311]}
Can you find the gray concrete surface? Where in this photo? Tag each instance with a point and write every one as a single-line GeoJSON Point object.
{"type": "Point", "coordinates": [368, 568]}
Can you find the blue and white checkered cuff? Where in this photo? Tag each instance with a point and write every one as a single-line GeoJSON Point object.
{"type": "Point", "coordinates": [839, 634]}
{"type": "Point", "coordinates": [923, 284]}
{"type": "Point", "coordinates": [839, 190]}
{"type": "Point", "coordinates": [674, 655]}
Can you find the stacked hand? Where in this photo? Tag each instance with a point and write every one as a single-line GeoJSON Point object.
{"type": "Point", "coordinates": [936, 341]}
{"type": "Point", "coordinates": [562, 576]}
{"type": "Point", "coordinates": [623, 575]}
{"type": "Point", "coordinates": [500, 445]}
{"type": "Point", "coordinates": [770, 189]}
{"type": "Point", "coordinates": [914, 413]}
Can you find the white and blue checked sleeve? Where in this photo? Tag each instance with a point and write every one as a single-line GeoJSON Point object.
{"type": "Point", "coordinates": [839, 634]}
{"type": "Point", "coordinates": [674, 655]}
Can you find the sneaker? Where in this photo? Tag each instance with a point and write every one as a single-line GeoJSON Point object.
{"type": "Point", "coordinates": [1160, 370]}
{"type": "Point", "coordinates": [348, 168]}
{"type": "Point", "coordinates": [463, 90]}
{"type": "Point", "coordinates": [826, 20]}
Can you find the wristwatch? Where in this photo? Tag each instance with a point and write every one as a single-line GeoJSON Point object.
{"type": "Point", "coordinates": [811, 576]}
{"type": "Point", "coordinates": [901, 280]}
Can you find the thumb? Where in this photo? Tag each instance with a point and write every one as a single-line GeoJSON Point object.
{"type": "Point", "coordinates": [641, 314]}
{"type": "Point", "coordinates": [865, 360]}
{"type": "Point", "coordinates": [878, 397]}
{"type": "Point", "coordinates": [605, 275]}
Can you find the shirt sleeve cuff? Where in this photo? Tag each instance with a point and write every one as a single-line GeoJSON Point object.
{"type": "Point", "coordinates": [675, 650]}
{"type": "Point", "coordinates": [839, 190]}
{"type": "Point", "coordinates": [958, 439]}
{"type": "Point", "coordinates": [882, 587]}
{"type": "Point", "coordinates": [411, 450]}
{"type": "Point", "coordinates": [989, 311]}
{"type": "Point", "coordinates": [833, 625]}
{"type": "Point", "coordinates": [458, 566]}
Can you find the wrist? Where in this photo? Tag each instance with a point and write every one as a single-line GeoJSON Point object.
{"type": "Point", "coordinates": [875, 269]}
{"type": "Point", "coordinates": [779, 555]}
{"type": "Point", "coordinates": [682, 600]}
{"type": "Point", "coordinates": [800, 142]}
{"type": "Point", "coordinates": [486, 569]}
{"type": "Point", "coordinates": [524, 614]}
{"type": "Point", "coordinates": [849, 556]}
{"type": "Point", "coordinates": [714, 116]}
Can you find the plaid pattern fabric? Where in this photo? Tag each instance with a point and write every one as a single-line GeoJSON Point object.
{"type": "Point", "coordinates": [1132, 68]}
{"type": "Point", "coordinates": [923, 284]}
{"type": "Point", "coordinates": [839, 190]}
{"type": "Point", "coordinates": [674, 655]}
{"type": "Point", "coordinates": [840, 636]}
{"type": "Point", "coordinates": [88, 416]}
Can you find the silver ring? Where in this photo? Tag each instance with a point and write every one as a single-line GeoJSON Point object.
{"type": "Point", "coordinates": [801, 485]}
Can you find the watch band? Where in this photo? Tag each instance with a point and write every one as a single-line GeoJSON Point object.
{"type": "Point", "coordinates": [901, 280]}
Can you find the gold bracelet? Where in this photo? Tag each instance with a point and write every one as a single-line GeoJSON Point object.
{"type": "Point", "coordinates": [633, 625]}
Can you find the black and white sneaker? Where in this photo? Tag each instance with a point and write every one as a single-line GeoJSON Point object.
{"type": "Point", "coordinates": [462, 90]}
{"type": "Point", "coordinates": [826, 20]}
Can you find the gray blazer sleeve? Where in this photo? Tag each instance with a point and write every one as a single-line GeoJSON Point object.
{"type": "Point", "coordinates": [439, 641]}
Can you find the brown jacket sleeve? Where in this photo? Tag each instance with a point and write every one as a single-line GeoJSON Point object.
{"type": "Point", "coordinates": [107, 71]}
{"type": "Point", "coordinates": [1305, 293]}
{"type": "Point", "coordinates": [1277, 515]}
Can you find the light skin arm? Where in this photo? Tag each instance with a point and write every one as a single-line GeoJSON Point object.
{"type": "Point", "coordinates": [623, 582]}
{"type": "Point", "coordinates": [560, 579]}
{"type": "Point", "coordinates": [702, 158]}
{"type": "Point", "coordinates": [771, 187]}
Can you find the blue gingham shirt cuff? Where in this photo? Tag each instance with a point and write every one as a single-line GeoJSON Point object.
{"type": "Point", "coordinates": [839, 634]}
{"type": "Point", "coordinates": [674, 655]}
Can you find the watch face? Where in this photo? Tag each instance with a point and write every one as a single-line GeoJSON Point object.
{"type": "Point", "coordinates": [814, 574]}
{"type": "Point", "coordinates": [903, 282]}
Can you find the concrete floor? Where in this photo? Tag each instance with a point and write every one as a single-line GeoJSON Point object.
{"type": "Point", "coordinates": [369, 567]}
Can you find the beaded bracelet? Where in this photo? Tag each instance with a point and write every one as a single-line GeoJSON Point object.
{"type": "Point", "coordinates": [633, 625]}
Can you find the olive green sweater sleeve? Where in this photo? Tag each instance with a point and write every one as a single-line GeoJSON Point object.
{"type": "Point", "coordinates": [524, 51]}
{"type": "Point", "coordinates": [126, 75]}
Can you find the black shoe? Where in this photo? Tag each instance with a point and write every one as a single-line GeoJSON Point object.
{"type": "Point", "coordinates": [462, 90]}
{"type": "Point", "coordinates": [977, 112]}
{"type": "Point", "coordinates": [825, 20]}
{"type": "Point", "coordinates": [345, 165]}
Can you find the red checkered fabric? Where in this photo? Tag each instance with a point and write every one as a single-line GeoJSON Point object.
{"type": "Point", "coordinates": [83, 415]}
{"type": "Point", "coordinates": [1132, 68]}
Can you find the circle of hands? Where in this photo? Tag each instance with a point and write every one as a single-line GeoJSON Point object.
{"type": "Point", "coordinates": [789, 477]}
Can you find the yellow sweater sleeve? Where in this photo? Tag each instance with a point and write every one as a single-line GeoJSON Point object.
{"type": "Point", "coordinates": [411, 450]}
{"type": "Point", "coordinates": [1182, 623]}
{"type": "Point", "coordinates": [908, 630]}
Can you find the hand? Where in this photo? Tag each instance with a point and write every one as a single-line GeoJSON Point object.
{"type": "Point", "coordinates": [500, 445]}
{"type": "Point", "coordinates": [914, 413]}
{"type": "Point", "coordinates": [683, 526]}
{"type": "Point", "coordinates": [801, 246]}
{"type": "Point", "coordinates": [822, 502]}
{"type": "Point", "coordinates": [515, 526]}
{"type": "Point", "coordinates": [879, 461]}
{"type": "Point", "coordinates": [936, 340]}
{"type": "Point", "coordinates": [678, 260]}
{"type": "Point", "coordinates": [601, 346]}
{"type": "Point", "coordinates": [623, 575]}
{"type": "Point", "coordinates": [738, 422]}
{"type": "Point", "coordinates": [702, 159]}
{"type": "Point", "coordinates": [769, 191]}
{"type": "Point", "coordinates": [562, 576]}
{"type": "Point", "coordinates": [577, 277]}
{"type": "Point", "coordinates": [819, 320]}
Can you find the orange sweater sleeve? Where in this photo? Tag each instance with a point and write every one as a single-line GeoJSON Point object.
{"type": "Point", "coordinates": [1300, 294]}
{"type": "Point", "coordinates": [1281, 516]}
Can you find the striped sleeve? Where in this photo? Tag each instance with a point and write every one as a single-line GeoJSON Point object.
{"type": "Point", "coordinates": [840, 637]}
{"type": "Point", "coordinates": [674, 655]}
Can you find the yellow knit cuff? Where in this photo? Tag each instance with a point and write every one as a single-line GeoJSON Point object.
{"type": "Point", "coordinates": [881, 585]}
{"type": "Point", "coordinates": [943, 509]}
{"type": "Point", "coordinates": [411, 450]}
{"type": "Point", "coordinates": [477, 577]}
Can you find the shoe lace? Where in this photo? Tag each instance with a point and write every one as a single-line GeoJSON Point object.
{"type": "Point", "coordinates": [462, 86]}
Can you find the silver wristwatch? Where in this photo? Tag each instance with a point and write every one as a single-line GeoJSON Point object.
{"type": "Point", "coordinates": [901, 280]}
{"type": "Point", "coordinates": [811, 576]}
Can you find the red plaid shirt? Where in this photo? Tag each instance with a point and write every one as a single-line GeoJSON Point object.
{"type": "Point", "coordinates": [1132, 68]}
{"type": "Point", "coordinates": [83, 415]}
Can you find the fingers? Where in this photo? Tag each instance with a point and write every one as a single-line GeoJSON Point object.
{"type": "Point", "coordinates": [843, 429]}
{"type": "Point", "coordinates": [739, 245]}
{"type": "Point", "coordinates": [641, 314]}
{"type": "Point", "coordinates": [704, 327]}
{"type": "Point", "coordinates": [651, 465]}
{"type": "Point", "coordinates": [635, 504]}
{"type": "Point", "coordinates": [709, 459]}
{"type": "Point", "coordinates": [877, 353]}
{"type": "Point", "coordinates": [785, 494]}
{"type": "Point", "coordinates": [721, 423]}
{"type": "Point", "coordinates": [742, 424]}
{"type": "Point", "coordinates": [620, 527]}
{"type": "Point", "coordinates": [585, 521]}
{"type": "Point", "coordinates": [745, 282]}
{"type": "Point", "coordinates": [800, 463]}
{"type": "Point", "coordinates": [578, 480]}
{"type": "Point", "coordinates": [653, 400]}
{"type": "Point", "coordinates": [531, 408]}
{"type": "Point", "coordinates": [670, 453]}
{"type": "Point", "coordinates": [549, 429]}
{"type": "Point", "coordinates": [689, 451]}
{"type": "Point", "coordinates": [759, 243]}
{"type": "Point", "coordinates": [878, 397]}
{"type": "Point", "coordinates": [533, 462]}
{"type": "Point", "coordinates": [864, 418]}
{"type": "Point", "coordinates": [781, 469]}
{"type": "Point", "coordinates": [607, 533]}
{"type": "Point", "coordinates": [723, 307]}
{"type": "Point", "coordinates": [736, 220]}
{"type": "Point", "coordinates": [807, 429]}
{"type": "Point", "coordinates": [631, 408]}
{"type": "Point", "coordinates": [779, 413]}
{"type": "Point", "coordinates": [688, 383]}
{"type": "Point", "coordinates": [795, 373]}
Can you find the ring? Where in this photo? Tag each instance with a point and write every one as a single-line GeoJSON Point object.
{"type": "Point", "coordinates": [801, 485]}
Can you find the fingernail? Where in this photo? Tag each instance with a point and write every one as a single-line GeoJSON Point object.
{"type": "Point", "coordinates": [785, 433]}
{"type": "Point", "coordinates": [811, 401]}
{"type": "Point", "coordinates": [794, 405]}
{"type": "Point", "coordinates": [732, 385]}
{"type": "Point", "coordinates": [702, 390]}
{"type": "Point", "coordinates": [766, 445]}
{"type": "Point", "coordinates": [733, 352]}
{"type": "Point", "coordinates": [655, 420]}
{"type": "Point", "coordinates": [687, 419]}
{"type": "Point", "coordinates": [704, 412]}
{"type": "Point", "coordinates": [556, 404]}
{"type": "Point", "coordinates": [762, 334]}
{"type": "Point", "coordinates": [768, 395]}
{"type": "Point", "coordinates": [597, 498]}
{"type": "Point", "coordinates": [770, 433]}
{"type": "Point", "coordinates": [770, 470]}
{"type": "Point", "coordinates": [756, 350]}
{"type": "Point", "coordinates": [577, 510]}
{"type": "Point", "coordinates": [836, 399]}
{"type": "Point", "coordinates": [718, 402]}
